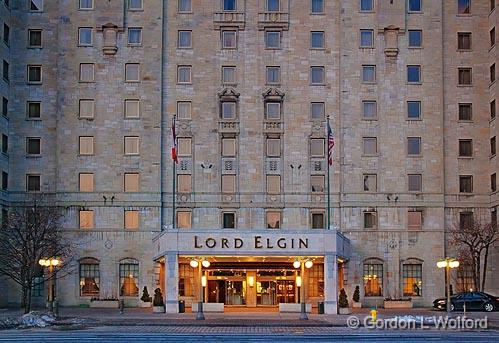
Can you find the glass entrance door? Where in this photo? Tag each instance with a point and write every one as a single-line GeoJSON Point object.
{"type": "Point", "coordinates": [285, 291]}
{"type": "Point", "coordinates": [266, 293]}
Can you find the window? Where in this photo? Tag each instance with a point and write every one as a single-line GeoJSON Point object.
{"type": "Point", "coordinates": [415, 38]}
{"type": "Point", "coordinates": [184, 110]}
{"type": "Point", "coordinates": [273, 220]}
{"type": "Point", "coordinates": [132, 72]}
{"type": "Point", "coordinates": [370, 182]}
{"type": "Point", "coordinates": [414, 109]}
{"type": "Point", "coordinates": [135, 4]}
{"type": "Point", "coordinates": [131, 182]}
{"type": "Point", "coordinates": [273, 110]}
{"type": "Point", "coordinates": [317, 147]}
{"type": "Point", "coordinates": [273, 184]}
{"type": "Point", "coordinates": [272, 39]}
{"type": "Point", "coordinates": [229, 39]}
{"type": "Point", "coordinates": [89, 277]}
{"type": "Point", "coordinates": [316, 280]}
{"type": "Point", "coordinates": [186, 280]}
{"type": "Point", "coordinates": [273, 5]}
{"type": "Point", "coordinates": [33, 183]}
{"type": "Point", "coordinates": [273, 75]}
{"type": "Point", "coordinates": [184, 219]}
{"type": "Point", "coordinates": [414, 146]}
{"type": "Point", "coordinates": [465, 183]}
{"type": "Point", "coordinates": [412, 279]}
{"type": "Point", "coordinates": [135, 36]}
{"type": "Point", "coordinates": [228, 147]}
{"type": "Point", "coordinates": [132, 108]}
{"type": "Point", "coordinates": [228, 183]}
{"type": "Point", "coordinates": [317, 110]}
{"type": "Point", "coordinates": [5, 181]}
{"type": "Point", "coordinates": [493, 146]}
{"type": "Point", "coordinates": [131, 219]}
{"type": "Point", "coordinates": [414, 5]}
{"type": "Point", "coordinates": [370, 220]}
{"type": "Point", "coordinates": [317, 183]}
{"type": "Point", "coordinates": [86, 108]}
{"type": "Point", "coordinates": [415, 182]}
{"type": "Point", "coordinates": [273, 147]}
{"type": "Point", "coordinates": [465, 112]}
{"type": "Point", "coordinates": [493, 183]}
{"type": "Point", "coordinates": [317, 75]}
{"type": "Point", "coordinates": [184, 146]}
{"type": "Point", "coordinates": [36, 5]}
{"type": "Point", "coordinates": [86, 145]}
{"type": "Point", "coordinates": [368, 73]}
{"type": "Point", "coordinates": [463, 6]}
{"type": "Point", "coordinates": [492, 72]}
{"type": "Point", "coordinates": [228, 110]}
{"type": "Point", "coordinates": [5, 71]}
{"type": "Point", "coordinates": [366, 38]}
{"type": "Point", "coordinates": [131, 145]}
{"type": "Point", "coordinates": [414, 220]}
{"type": "Point", "coordinates": [369, 110]}
{"type": "Point", "coordinates": [228, 220]}
{"type": "Point", "coordinates": [492, 109]}
{"type": "Point", "coordinates": [373, 279]}
{"type": "Point", "coordinates": [317, 39]}
{"type": "Point", "coordinates": [184, 6]}
{"type": "Point", "coordinates": [33, 146]}
{"type": "Point", "coordinates": [184, 39]}
{"type": "Point", "coordinates": [85, 36]}
{"type": "Point", "coordinates": [229, 5]}
{"type": "Point", "coordinates": [86, 4]}
{"type": "Point", "coordinates": [464, 41]}
{"type": "Point", "coordinates": [33, 109]}
{"type": "Point", "coordinates": [5, 107]}
{"type": "Point", "coordinates": [129, 277]}
{"type": "Point", "coordinates": [86, 182]}
{"type": "Point", "coordinates": [366, 5]}
{"type": "Point", "coordinates": [5, 144]}
{"type": "Point", "coordinates": [466, 220]}
{"type": "Point", "coordinates": [465, 148]}
{"type": "Point", "coordinates": [34, 73]}
{"type": "Point", "coordinates": [413, 74]}
{"type": "Point", "coordinates": [34, 38]}
{"type": "Point", "coordinates": [6, 34]}
{"type": "Point", "coordinates": [184, 74]}
{"type": "Point", "coordinates": [492, 37]}
{"type": "Point", "coordinates": [318, 221]}
{"type": "Point", "coordinates": [464, 76]}
{"type": "Point", "coordinates": [317, 6]}
{"type": "Point", "coordinates": [229, 75]}
{"type": "Point", "coordinates": [370, 145]}
{"type": "Point", "coordinates": [184, 183]}
{"type": "Point", "coordinates": [86, 72]}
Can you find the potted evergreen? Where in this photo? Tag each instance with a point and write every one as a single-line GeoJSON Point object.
{"type": "Point", "coordinates": [146, 298]}
{"type": "Point", "coordinates": [343, 303]}
{"type": "Point", "coordinates": [356, 298]}
{"type": "Point", "coordinates": [158, 305]}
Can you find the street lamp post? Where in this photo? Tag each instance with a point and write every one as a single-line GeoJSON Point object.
{"type": "Point", "coordinates": [448, 264]}
{"type": "Point", "coordinates": [303, 263]}
{"type": "Point", "coordinates": [51, 263]}
{"type": "Point", "coordinates": [199, 264]}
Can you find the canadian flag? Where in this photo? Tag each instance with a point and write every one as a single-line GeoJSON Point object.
{"type": "Point", "coordinates": [174, 146]}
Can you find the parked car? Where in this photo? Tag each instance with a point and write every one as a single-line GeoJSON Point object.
{"type": "Point", "coordinates": [477, 301]}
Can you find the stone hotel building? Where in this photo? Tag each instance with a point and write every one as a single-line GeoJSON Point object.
{"type": "Point", "coordinates": [90, 89]}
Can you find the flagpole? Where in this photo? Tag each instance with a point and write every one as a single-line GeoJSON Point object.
{"type": "Point", "coordinates": [328, 188]}
{"type": "Point", "coordinates": [174, 179]}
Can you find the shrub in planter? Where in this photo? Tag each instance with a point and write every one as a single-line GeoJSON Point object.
{"type": "Point", "coordinates": [343, 302]}
{"type": "Point", "coordinates": [158, 303]}
{"type": "Point", "coordinates": [146, 298]}
{"type": "Point", "coordinates": [356, 298]}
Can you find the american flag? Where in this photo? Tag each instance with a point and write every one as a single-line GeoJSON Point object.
{"type": "Point", "coordinates": [330, 144]}
{"type": "Point", "coordinates": [174, 145]}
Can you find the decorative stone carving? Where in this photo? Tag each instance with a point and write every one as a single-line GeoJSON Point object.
{"type": "Point", "coordinates": [391, 41]}
{"type": "Point", "coordinates": [110, 33]}
{"type": "Point", "coordinates": [228, 94]}
{"type": "Point", "coordinates": [273, 94]}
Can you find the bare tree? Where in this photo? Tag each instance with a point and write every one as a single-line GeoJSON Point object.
{"type": "Point", "coordinates": [32, 231]}
{"type": "Point", "coordinates": [472, 240]}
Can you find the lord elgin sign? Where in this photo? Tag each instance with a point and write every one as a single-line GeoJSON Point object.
{"type": "Point", "coordinates": [256, 242]}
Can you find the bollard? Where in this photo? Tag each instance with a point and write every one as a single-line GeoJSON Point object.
{"type": "Point", "coordinates": [56, 308]}
{"type": "Point", "coordinates": [373, 314]}
{"type": "Point", "coordinates": [122, 306]}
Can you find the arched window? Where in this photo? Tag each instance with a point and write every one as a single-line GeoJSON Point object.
{"type": "Point", "coordinates": [129, 277]}
{"type": "Point", "coordinates": [89, 277]}
{"type": "Point", "coordinates": [412, 277]}
{"type": "Point", "coordinates": [373, 277]}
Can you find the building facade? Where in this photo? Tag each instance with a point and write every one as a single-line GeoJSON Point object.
{"type": "Point", "coordinates": [91, 89]}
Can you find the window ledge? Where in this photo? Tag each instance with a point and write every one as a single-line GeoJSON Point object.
{"type": "Point", "coordinates": [366, 155]}
{"type": "Point", "coordinates": [367, 47]}
{"type": "Point", "coordinates": [134, 45]}
{"type": "Point", "coordinates": [418, 83]}
{"type": "Point", "coordinates": [30, 83]}
{"type": "Point", "coordinates": [464, 50]}
{"type": "Point", "coordinates": [414, 156]}
{"type": "Point", "coordinates": [33, 47]}
{"type": "Point", "coordinates": [492, 119]}
{"type": "Point", "coordinates": [492, 47]}
{"type": "Point", "coordinates": [464, 86]}
{"type": "Point", "coordinates": [465, 121]}
{"type": "Point", "coordinates": [370, 119]}
{"type": "Point", "coordinates": [415, 119]}
{"type": "Point", "coordinates": [318, 49]}
{"type": "Point", "coordinates": [415, 47]}
{"type": "Point", "coordinates": [492, 83]}
{"type": "Point", "coordinates": [33, 155]}
{"type": "Point", "coordinates": [465, 157]}
{"type": "Point", "coordinates": [492, 156]}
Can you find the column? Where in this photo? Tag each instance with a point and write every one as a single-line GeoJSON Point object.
{"type": "Point", "coordinates": [171, 283]}
{"type": "Point", "coordinates": [330, 284]}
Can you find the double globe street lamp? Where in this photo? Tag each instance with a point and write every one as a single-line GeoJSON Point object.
{"type": "Point", "coordinates": [200, 263]}
{"type": "Point", "coordinates": [448, 264]}
{"type": "Point", "coordinates": [300, 282]}
{"type": "Point", "coordinates": [50, 263]}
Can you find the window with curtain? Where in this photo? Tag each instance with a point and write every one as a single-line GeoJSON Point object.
{"type": "Point", "coordinates": [412, 280]}
{"type": "Point", "coordinates": [373, 278]}
{"type": "Point", "coordinates": [89, 277]}
{"type": "Point", "coordinates": [129, 278]}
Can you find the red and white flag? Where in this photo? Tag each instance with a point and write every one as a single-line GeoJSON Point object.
{"type": "Point", "coordinates": [174, 138]}
{"type": "Point", "coordinates": [330, 144]}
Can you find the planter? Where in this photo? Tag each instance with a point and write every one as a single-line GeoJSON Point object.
{"type": "Point", "coordinates": [344, 310]}
{"type": "Point", "coordinates": [145, 304]}
{"type": "Point", "coordinates": [397, 304]}
{"type": "Point", "coordinates": [209, 307]}
{"type": "Point", "coordinates": [105, 304]}
{"type": "Point", "coordinates": [294, 307]}
{"type": "Point", "coordinates": [356, 304]}
{"type": "Point", "coordinates": [158, 309]}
